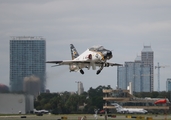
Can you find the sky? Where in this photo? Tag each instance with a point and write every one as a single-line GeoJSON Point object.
{"type": "Point", "coordinates": [123, 26]}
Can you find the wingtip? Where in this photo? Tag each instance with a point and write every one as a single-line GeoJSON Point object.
{"type": "Point", "coordinates": [119, 64]}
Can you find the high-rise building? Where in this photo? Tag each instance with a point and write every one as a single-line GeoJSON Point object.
{"type": "Point", "coordinates": [147, 57]}
{"type": "Point", "coordinates": [136, 73]}
{"type": "Point", "coordinates": [27, 58]}
{"type": "Point", "coordinates": [80, 87]}
{"type": "Point", "coordinates": [168, 84]}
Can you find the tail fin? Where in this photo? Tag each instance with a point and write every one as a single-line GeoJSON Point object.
{"type": "Point", "coordinates": [117, 106]}
{"type": "Point", "coordinates": [74, 53]}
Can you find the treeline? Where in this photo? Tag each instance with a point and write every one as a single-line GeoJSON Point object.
{"type": "Point", "coordinates": [65, 103]}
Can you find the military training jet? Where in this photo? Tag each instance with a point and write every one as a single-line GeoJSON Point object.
{"type": "Point", "coordinates": [95, 56]}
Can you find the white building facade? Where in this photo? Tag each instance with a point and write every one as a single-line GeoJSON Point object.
{"type": "Point", "coordinates": [16, 103]}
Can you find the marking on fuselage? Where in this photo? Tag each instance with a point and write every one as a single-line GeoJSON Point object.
{"type": "Point", "coordinates": [101, 55]}
{"type": "Point", "coordinates": [96, 55]}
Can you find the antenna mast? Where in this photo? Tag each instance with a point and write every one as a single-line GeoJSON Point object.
{"type": "Point", "coordinates": [158, 67]}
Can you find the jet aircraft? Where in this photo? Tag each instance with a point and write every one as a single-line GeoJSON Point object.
{"type": "Point", "coordinates": [40, 111]}
{"type": "Point", "coordinates": [161, 101]}
{"type": "Point", "coordinates": [95, 56]}
{"type": "Point", "coordinates": [120, 109]}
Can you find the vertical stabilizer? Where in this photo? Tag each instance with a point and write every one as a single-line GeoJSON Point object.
{"type": "Point", "coordinates": [74, 53]}
{"type": "Point", "coordinates": [117, 106]}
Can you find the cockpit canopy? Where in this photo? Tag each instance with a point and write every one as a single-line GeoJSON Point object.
{"type": "Point", "coordinates": [107, 54]}
{"type": "Point", "coordinates": [96, 48]}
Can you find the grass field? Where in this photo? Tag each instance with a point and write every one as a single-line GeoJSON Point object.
{"type": "Point", "coordinates": [78, 117]}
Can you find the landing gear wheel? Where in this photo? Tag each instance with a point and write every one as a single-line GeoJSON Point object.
{"type": "Point", "coordinates": [81, 71]}
{"type": "Point", "coordinates": [98, 72]}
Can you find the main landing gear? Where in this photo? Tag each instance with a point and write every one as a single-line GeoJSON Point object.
{"type": "Point", "coordinates": [103, 65]}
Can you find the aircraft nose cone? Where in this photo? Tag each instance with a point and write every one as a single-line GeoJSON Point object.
{"type": "Point", "coordinates": [107, 54]}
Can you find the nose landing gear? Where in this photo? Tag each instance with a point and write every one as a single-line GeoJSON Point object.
{"type": "Point", "coordinates": [81, 71]}
{"type": "Point", "coordinates": [98, 71]}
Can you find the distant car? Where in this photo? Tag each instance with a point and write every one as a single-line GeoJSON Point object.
{"type": "Point", "coordinates": [102, 111]}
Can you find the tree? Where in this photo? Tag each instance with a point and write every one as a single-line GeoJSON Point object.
{"type": "Point", "coordinates": [69, 103]}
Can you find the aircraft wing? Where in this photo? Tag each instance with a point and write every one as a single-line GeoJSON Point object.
{"type": "Point", "coordinates": [115, 64]}
{"type": "Point", "coordinates": [68, 62]}
{"type": "Point", "coordinates": [107, 63]}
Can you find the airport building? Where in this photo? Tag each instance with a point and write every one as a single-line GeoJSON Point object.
{"type": "Point", "coordinates": [168, 85]}
{"type": "Point", "coordinates": [27, 58]}
{"type": "Point", "coordinates": [127, 100]}
{"type": "Point", "coordinates": [16, 103]}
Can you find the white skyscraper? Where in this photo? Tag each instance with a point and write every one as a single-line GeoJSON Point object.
{"type": "Point", "coordinates": [80, 87]}
{"type": "Point", "coordinates": [147, 57]}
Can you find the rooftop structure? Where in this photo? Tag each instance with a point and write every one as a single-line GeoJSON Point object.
{"type": "Point", "coordinates": [138, 58]}
{"type": "Point", "coordinates": [27, 38]}
{"type": "Point", "coordinates": [147, 49]}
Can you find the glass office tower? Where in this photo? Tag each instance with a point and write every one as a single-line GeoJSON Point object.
{"type": "Point", "coordinates": [136, 73]}
{"type": "Point", "coordinates": [27, 58]}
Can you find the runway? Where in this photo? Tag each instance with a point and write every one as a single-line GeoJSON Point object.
{"type": "Point", "coordinates": [78, 117]}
